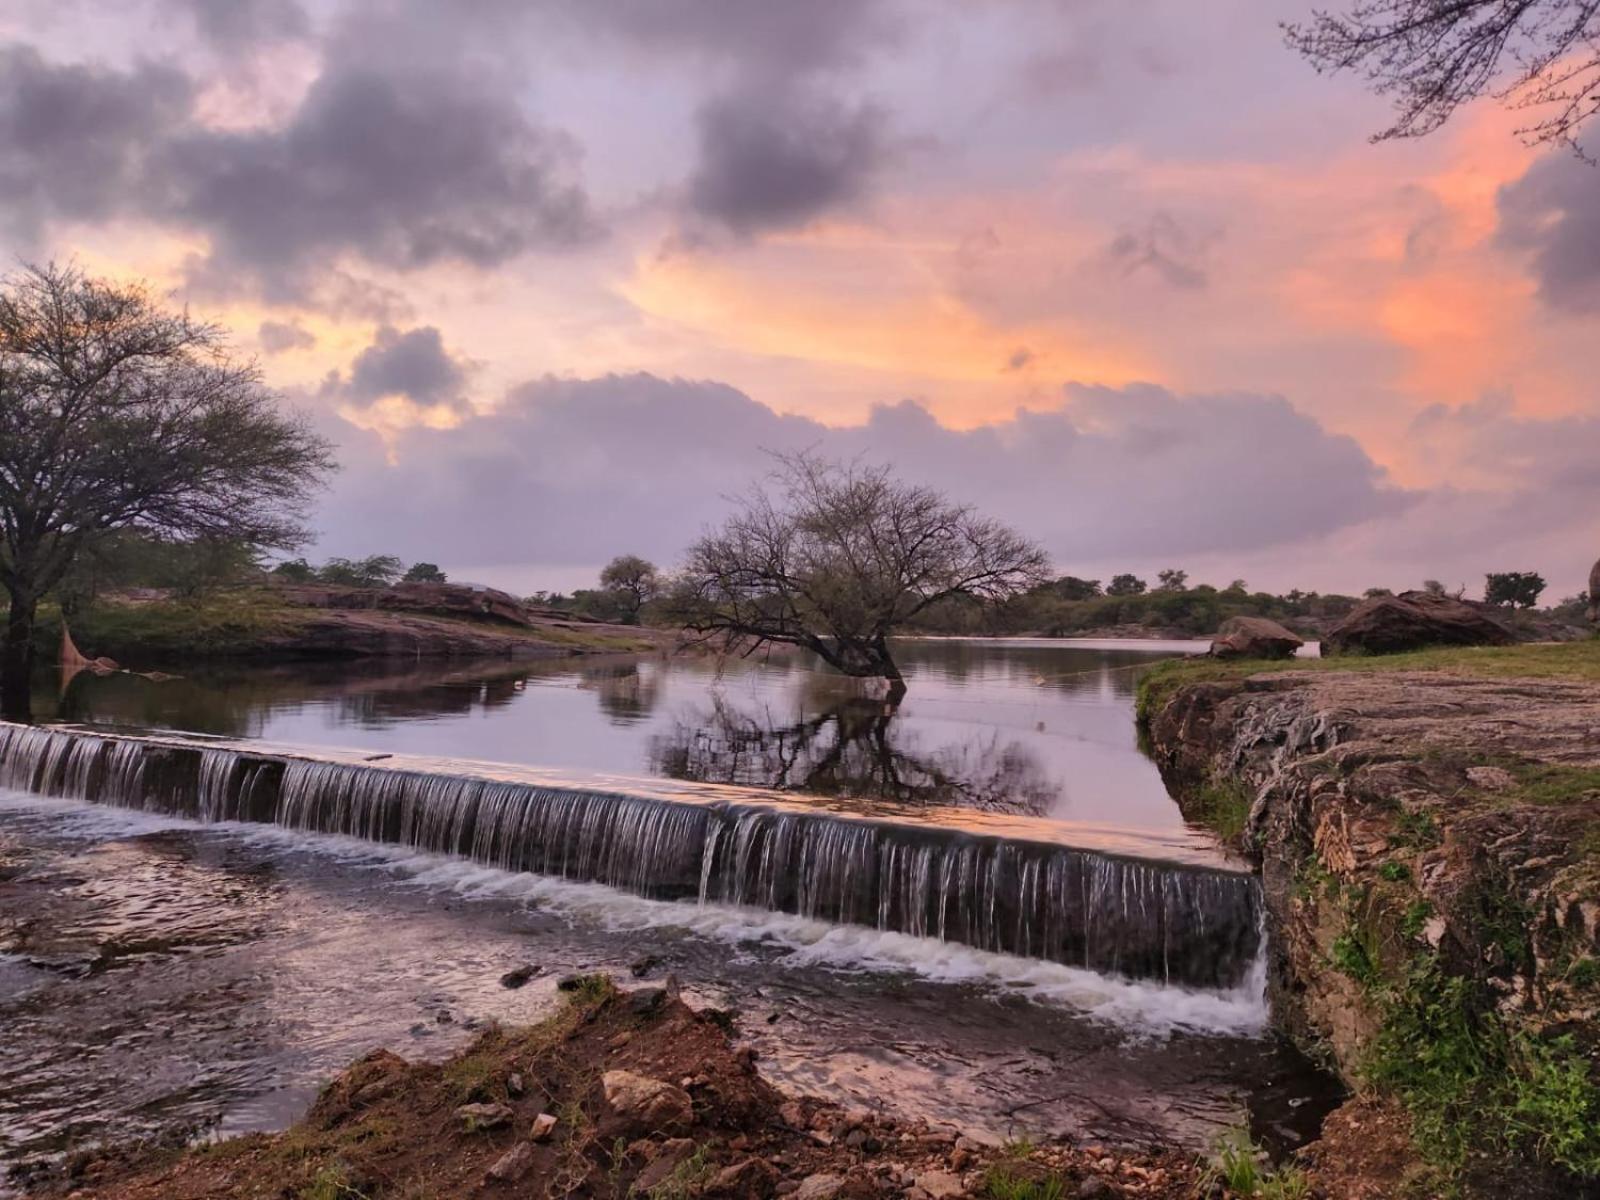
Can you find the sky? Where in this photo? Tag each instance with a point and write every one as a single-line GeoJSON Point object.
{"type": "Point", "coordinates": [557, 276]}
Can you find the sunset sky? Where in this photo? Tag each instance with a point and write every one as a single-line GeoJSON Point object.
{"type": "Point", "coordinates": [553, 273]}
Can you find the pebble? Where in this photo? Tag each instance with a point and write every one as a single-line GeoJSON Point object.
{"type": "Point", "coordinates": [478, 1117]}
{"type": "Point", "coordinates": [543, 1126]}
{"type": "Point", "coordinates": [513, 1164]}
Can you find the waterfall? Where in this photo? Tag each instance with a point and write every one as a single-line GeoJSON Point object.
{"type": "Point", "coordinates": [1177, 923]}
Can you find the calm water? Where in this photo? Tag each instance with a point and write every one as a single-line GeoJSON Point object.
{"type": "Point", "coordinates": [209, 977]}
{"type": "Point", "coordinates": [1041, 727]}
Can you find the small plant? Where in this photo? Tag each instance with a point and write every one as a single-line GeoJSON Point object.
{"type": "Point", "coordinates": [1224, 806]}
{"type": "Point", "coordinates": [331, 1183]}
{"type": "Point", "coordinates": [686, 1180]}
{"type": "Point", "coordinates": [1394, 872]}
{"type": "Point", "coordinates": [1003, 1182]}
{"type": "Point", "coordinates": [1241, 1166]}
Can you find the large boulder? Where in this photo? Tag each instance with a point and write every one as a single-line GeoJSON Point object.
{"type": "Point", "coordinates": [1413, 621]}
{"type": "Point", "coordinates": [1594, 592]}
{"type": "Point", "coordinates": [1254, 637]}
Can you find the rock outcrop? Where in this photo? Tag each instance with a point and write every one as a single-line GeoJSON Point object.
{"type": "Point", "coordinates": [1409, 822]}
{"type": "Point", "coordinates": [1594, 592]}
{"type": "Point", "coordinates": [1254, 637]}
{"type": "Point", "coordinates": [1414, 621]}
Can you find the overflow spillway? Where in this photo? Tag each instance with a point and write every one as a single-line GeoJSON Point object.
{"type": "Point", "coordinates": [1177, 922]}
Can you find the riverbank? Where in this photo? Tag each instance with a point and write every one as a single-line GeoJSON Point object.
{"type": "Point", "coordinates": [1428, 829]}
{"type": "Point", "coordinates": [619, 1094]}
{"type": "Point", "coordinates": [273, 624]}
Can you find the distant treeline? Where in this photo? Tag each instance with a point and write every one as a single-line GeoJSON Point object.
{"type": "Point", "coordinates": [1128, 603]}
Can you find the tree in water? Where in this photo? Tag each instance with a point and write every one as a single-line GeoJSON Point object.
{"type": "Point", "coordinates": [1432, 56]}
{"type": "Point", "coordinates": [836, 557]}
{"type": "Point", "coordinates": [116, 414]}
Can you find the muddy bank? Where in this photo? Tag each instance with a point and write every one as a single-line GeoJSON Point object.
{"type": "Point", "coordinates": [1430, 851]}
{"type": "Point", "coordinates": [619, 1094]}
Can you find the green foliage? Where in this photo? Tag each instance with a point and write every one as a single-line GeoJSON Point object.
{"type": "Point", "coordinates": [423, 572]}
{"type": "Point", "coordinates": [1394, 872]}
{"type": "Point", "coordinates": [158, 633]}
{"type": "Point", "coordinates": [1223, 806]}
{"type": "Point", "coordinates": [1584, 973]}
{"type": "Point", "coordinates": [1355, 953]}
{"type": "Point", "coordinates": [1476, 1089]}
{"type": "Point", "coordinates": [1518, 589]}
{"type": "Point", "coordinates": [1125, 585]}
{"type": "Point", "coordinates": [376, 570]}
{"type": "Point", "coordinates": [1239, 1165]}
{"type": "Point", "coordinates": [1005, 1181]}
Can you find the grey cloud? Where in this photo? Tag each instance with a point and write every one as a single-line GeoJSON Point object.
{"type": "Point", "coordinates": [641, 463]}
{"type": "Point", "coordinates": [413, 364]}
{"type": "Point", "coordinates": [278, 337]}
{"type": "Point", "coordinates": [774, 158]}
{"type": "Point", "coordinates": [1552, 215]}
{"type": "Point", "coordinates": [405, 171]}
{"type": "Point", "coordinates": [243, 24]}
{"type": "Point", "coordinates": [74, 139]}
{"type": "Point", "coordinates": [1165, 248]}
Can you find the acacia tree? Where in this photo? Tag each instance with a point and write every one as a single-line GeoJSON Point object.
{"type": "Point", "coordinates": [1432, 56]}
{"type": "Point", "coordinates": [116, 414]}
{"type": "Point", "coordinates": [835, 557]}
{"type": "Point", "coordinates": [634, 579]}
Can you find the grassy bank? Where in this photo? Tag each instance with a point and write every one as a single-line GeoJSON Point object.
{"type": "Point", "coordinates": [1551, 660]}
{"type": "Point", "coordinates": [256, 623]}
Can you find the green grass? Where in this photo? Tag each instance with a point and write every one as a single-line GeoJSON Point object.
{"type": "Point", "coordinates": [1223, 806]}
{"type": "Point", "coordinates": [1559, 660]}
{"type": "Point", "coordinates": [220, 625]}
{"type": "Point", "coordinates": [1239, 1165]}
{"type": "Point", "coordinates": [1004, 1181]}
{"type": "Point", "coordinates": [1473, 1087]}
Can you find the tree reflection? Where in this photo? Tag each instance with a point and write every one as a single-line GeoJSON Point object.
{"type": "Point", "coordinates": [851, 747]}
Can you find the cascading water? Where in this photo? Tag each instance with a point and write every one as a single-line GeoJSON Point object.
{"type": "Point", "coordinates": [1143, 919]}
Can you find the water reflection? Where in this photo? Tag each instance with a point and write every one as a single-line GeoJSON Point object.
{"type": "Point", "coordinates": [1039, 727]}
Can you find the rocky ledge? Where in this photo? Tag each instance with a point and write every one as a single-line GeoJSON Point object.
{"type": "Point", "coordinates": [1429, 845]}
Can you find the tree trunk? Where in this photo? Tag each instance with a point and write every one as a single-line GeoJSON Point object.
{"type": "Point", "coordinates": [891, 672]}
{"type": "Point", "coordinates": [16, 657]}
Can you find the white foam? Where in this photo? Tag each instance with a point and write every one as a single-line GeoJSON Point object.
{"type": "Point", "coordinates": [1141, 1007]}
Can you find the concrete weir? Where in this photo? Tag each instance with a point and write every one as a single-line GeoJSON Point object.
{"type": "Point", "coordinates": [1164, 909]}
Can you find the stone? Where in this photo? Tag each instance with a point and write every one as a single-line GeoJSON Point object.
{"type": "Point", "coordinates": [640, 967]}
{"type": "Point", "coordinates": [754, 1177]}
{"type": "Point", "coordinates": [1491, 779]}
{"type": "Point", "coordinates": [1594, 593]}
{"type": "Point", "coordinates": [1413, 621]}
{"type": "Point", "coordinates": [513, 1164]}
{"type": "Point", "coordinates": [518, 976]}
{"type": "Point", "coordinates": [544, 1126]}
{"type": "Point", "coordinates": [818, 1187]}
{"type": "Point", "coordinates": [514, 1084]}
{"type": "Point", "coordinates": [644, 1001]}
{"type": "Point", "coordinates": [645, 1104]}
{"type": "Point", "coordinates": [1095, 1187]}
{"type": "Point", "coordinates": [1254, 637]}
{"type": "Point", "coordinates": [941, 1185]}
{"type": "Point", "coordinates": [479, 1117]}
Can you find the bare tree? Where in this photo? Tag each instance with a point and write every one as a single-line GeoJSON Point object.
{"type": "Point", "coordinates": [1432, 56]}
{"type": "Point", "coordinates": [834, 558]}
{"type": "Point", "coordinates": [116, 414]}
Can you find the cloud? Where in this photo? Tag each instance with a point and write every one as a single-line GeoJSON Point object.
{"type": "Point", "coordinates": [775, 158]}
{"type": "Point", "coordinates": [1164, 248]}
{"type": "Point", "coordinates": [571, 471]}
{"type": "Point", "coordinates": [74, 140]}
{"type": "Point", "coordinates": [403, 380]}
{"type": "Point", "coordinates": [279, 337]}
{"type": "Point", "coordinates": [236, 24]}
{"type": "Point", "coordinates": [1551, 214]}
{"type": "Point", "coordinates": [403, 170]}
